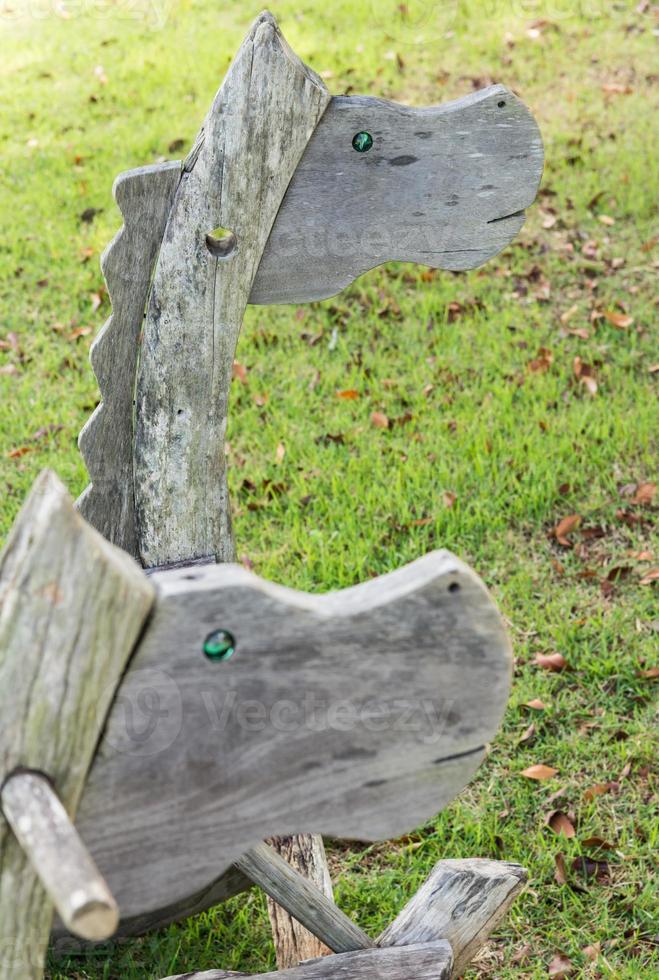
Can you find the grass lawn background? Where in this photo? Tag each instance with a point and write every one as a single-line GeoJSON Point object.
{"type": "Point", "coordinates": [517, 395]}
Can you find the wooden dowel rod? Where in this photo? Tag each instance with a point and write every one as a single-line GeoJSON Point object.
{"type": "Point", "coordinates": [302, 899]}
{"type": "Point", "coordinates": [64, 866]}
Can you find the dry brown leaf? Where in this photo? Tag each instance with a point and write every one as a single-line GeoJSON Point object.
{"type": "Point", "coordinates": [379, 420]}
{"type": "Point", "coordinates": [644, 493]}
{"type": "Point", "coordinates": [348, 394]}
{"type": "Point", "coordinates": [541, 363]}
{"type": "Point", "coordinates": [619, 320]}
{"type": "Point", "coordinates": [449, 498]}
{"type": "Point", "coordinates": [9, 369]}
{"type": "Point", "coordinates": [592, 952]}
{"type": "Point", "coordinates": [528, 734]}
{"type": "Point", "coordinates": [597, 789]}
{"type": "Point", "coordinates": [649, 675]}
{"type": "Point", "coordinates": [280, 452]}
{"type": "Point", "coordinates": [560, 874]}
{"type": "Point", "coordinates": [650, 577]}
{"type": "Point", "coordinates": [566, 526]}
{"type": "Point", "coordinates": [560, 823]}
{"type": "Point", "coordinates": [551, 661]}
{"type": "Point", "coordinates": [20, 451]}
{"type": "Point", "coordinates": [561, 966]}
{"type": "Point", "coordinates": [616, 88]}
{"type": "Point", "coordinates": [239, 371]}
{"type": "Point", "coordinates": [536, 704]}
{"type": "Point", "coordinates": [598, 843]}
{"type": "Point", "coordinates": [79, 332]}
{"type": "Point", "coordinates": [606, 219]}
{"type": "Point", "coordinates": [539, 772]}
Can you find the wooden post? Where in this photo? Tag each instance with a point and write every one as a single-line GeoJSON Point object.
{"type": "Point", "coordinates": [71, 609]}
{"type": "Point", "coordinates": [461, 901]}
{"type": "Point", "coordinates": [302, 900]}
{"type": "Point", "coordinates": [293, 943]}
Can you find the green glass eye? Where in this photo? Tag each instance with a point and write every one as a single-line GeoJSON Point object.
{"type": "Point", "coordinates": [362, 142]}
{"type": "Point", "coordinates": [219, 645]}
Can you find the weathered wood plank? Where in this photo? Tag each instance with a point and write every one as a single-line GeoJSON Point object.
{"type": "Point", "coordinates": [252, 140]}
{"type": "Point", "coordinates": [445, 186]}
{"type": "Point", "coordinates": [462, 901]}
{"type": "Point", "coordinates": [62, 862]}
{"type": "Point", "coordinates": [427, 961]}
{"type": "Point", "coordinates": [144, 197]}
{"type": "Point", "coordinates": [71, 609]}
{"type": "Point", "coordinates": [302, 899]}
{"type": "Point", "coordinates": [293, 943]}
{"type": "Point", "coordinates": [356, 714]}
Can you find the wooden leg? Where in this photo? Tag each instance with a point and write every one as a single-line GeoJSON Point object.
{"type": "Point", "coordinates": [424, 961]}
{"type": "Point", "coordinates": [293, 943]}
{"type": "Point", "coordinates": [462, 902]}
{"type": "Point", "coordinates": [302, 900]}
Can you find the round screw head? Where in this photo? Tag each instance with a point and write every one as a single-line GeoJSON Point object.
{"type": "Point", "coordinates": [219, 645]}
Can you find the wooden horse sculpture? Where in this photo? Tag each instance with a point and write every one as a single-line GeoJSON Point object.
{"type": "Point", "coordinates": [175, 720]}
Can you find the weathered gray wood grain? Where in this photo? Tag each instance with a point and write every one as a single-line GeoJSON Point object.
{"type": "Point", "coordinates": [71, 609]}
{"type": "Point", "coordinates": [302, 899]}
{"type": "Point", "coordinates": [461, 901]}
{"type": "Point", "coordinates": [427, 961]}
{"type": "Point", "coordinates": [252, 140]}
{"type": "Point", "coordinates": [63, 864]}
{"type": "Point", "coordinates": [144, 197]}
{"type": "Point", "coordinates": [445, 186]}
{"type": "Point", "coordinates": [293, 943]}
{"type": "Point", "coordinates": [355, 714]}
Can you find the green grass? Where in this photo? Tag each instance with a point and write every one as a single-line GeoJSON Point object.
{"type": "Point", "coordinates": [520, 449]}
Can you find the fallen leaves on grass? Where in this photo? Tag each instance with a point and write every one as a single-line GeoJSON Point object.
{"type": "Point", "coordinates": [528, 734]}
{"type": "Point", "coordinates": [239, 371]}
{"type": "Point", "coordinates": [644, 494]}
{"type": "Point", "coordinates": [650, 577]}
{"type": "Point", "coordinates": [560, 823]}
{"type": "Point", "coordinates": [565, 527]}
{"type": "Point", "coordinates": [539, 772]}
{"type": "Point", "coordinates": [599, 789]}
{"type": "Point", "coordinates": [560, 966]}
{"type": "Point", "coordinates": [585, 375]}
{"type": "Point", "coordinates": [348, 394]}
{"type": "Point", "coordinates": [551, 661]}
{"type": "Point", "coordinates": [560, 872]}
{"type": "Point", "coordinates": [78, 333]}
{"type": "Point", "coordinates": [449, 498]}
{"type": "Point", "coordinates": [379, 420]}
{"type": "Point", "coordinates": [652, 673]}
{"type": "Point", "coordinates": [536, 704]}
{"type": "Point", "coordinates": [20, 451]}
{"type": "Point", "coordinates": [597, 843]}
{"type": "Point", "coordinates": [542, 362]}
{"type": "Point", "coordinates": [280, 452]}
{"type": "Point", "coordinates": [620, 320]}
